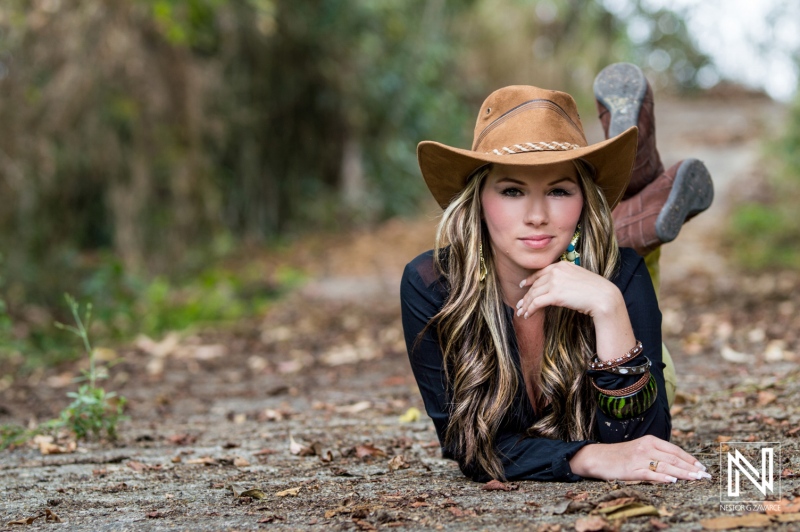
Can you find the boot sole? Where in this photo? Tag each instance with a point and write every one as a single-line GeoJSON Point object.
{"type": "Point", "coordinates": [692, 193]}
{"type": "Point", "coordinates": [621, 88]}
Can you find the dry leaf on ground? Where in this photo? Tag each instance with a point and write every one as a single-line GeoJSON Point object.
{"type": "Point", "coordinates": [50, 516]}
{"type": "Point", "coordinates": [657, 524]}
{"type": "Point", "coordinates": [622, 493]}
{"type": "Point", "coordinates": [739, 521]}
{"type": "Point", "coordinates": [203, 460]}
{"type": "Point", "coordinates": [254, 493]}
{"type": "Point", "coordinates": [411, 415]}
{"type": "Point", "coordinates": [366, 450]}
{"type": "Point", "coordinates": [736, 357]}
{"type": "Point", "coordinates": [355, 408]}
{"type": "Point", "coordinates": [240, 462]}
{"type": "Point", "coordinates": [496, 485]}
{"type": "Point", "coordinates": [139, 466]}
{"type": "Point", "coordinates": [47, 446]}
{"type": "Point", "coordinates": [271, 415]}
{"type": "Point", "coordinates": [616, 502]}
{"type": "Point", "coordinates": [548, 527]}
{"type": "Point", "coordinates": [24, 521]}
{"type": "Point", "coordinates": [577, 496]}
{"type": "Point", "coordinates": [765, 398]}
{"type": "Point", "coordinates": [398, 462]}
{"type": "Point", "coordinates": [299, 449]}
{"type": "Point", "coordinates": [291, 492]}
{"type": "Point", "coordinates": [631, 509]}
{"type": "Point", "coordinates": [182, 439]}
{"type": "Point", "coordinates": [364, 525]}
{"type": "Point", "coordinates": [593, 523]}
{"type": "Point", "coordinates": [458, 512]}
{"type": "Point", "coordinates": [271, 518]}
{"type": "Point", "coordinates": [785, 506]}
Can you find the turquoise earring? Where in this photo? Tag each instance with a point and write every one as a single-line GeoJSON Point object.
{"type": "Point", "coordinates": [571, 255]}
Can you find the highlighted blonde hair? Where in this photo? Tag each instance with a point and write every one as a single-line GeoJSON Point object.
{"type": "Point", "coordinates": [473, 328]}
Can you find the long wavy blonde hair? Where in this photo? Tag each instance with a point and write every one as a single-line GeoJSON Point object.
{"type": "Point", "coordinates": [473, 329]}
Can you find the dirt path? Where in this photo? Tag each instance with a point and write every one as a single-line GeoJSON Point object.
{"type": "Point", "coordinates": [327, 366]}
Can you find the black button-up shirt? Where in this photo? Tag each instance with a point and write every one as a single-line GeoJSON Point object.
{"type": "Point", "coordinates": [423, 293]}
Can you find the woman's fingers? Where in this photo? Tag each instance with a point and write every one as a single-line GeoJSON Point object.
{"type": "Point", "coordinates": [681, 471]}
{"type": "Point", "coordinates": [669, 459]}
{"type": "Point", "coordinates": [563, 285]}
{"type": "Point", "coordinates": [638, 459]}
{"type": "Point", "coordinates": [537, 297]}
{"type": "Point", "coordinates": [670, 448]}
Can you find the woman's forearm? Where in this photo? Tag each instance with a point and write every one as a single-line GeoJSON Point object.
{"type": "Point", "coordinates": [614, 334]}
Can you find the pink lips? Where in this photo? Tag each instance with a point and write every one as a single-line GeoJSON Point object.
{"type": "Point", "coordinates": [537, 242]}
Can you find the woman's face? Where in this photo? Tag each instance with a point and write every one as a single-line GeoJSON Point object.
{"type": "Point", "coordinates": [531, 214]}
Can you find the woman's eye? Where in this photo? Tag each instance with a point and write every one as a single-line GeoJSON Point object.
{"type": "Point", "coordinates": [559, 192]}
{"type": "Point", "coordinates": [511, 192]}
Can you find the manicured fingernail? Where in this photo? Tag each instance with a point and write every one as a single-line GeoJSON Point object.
{"type": "Point", "coordinates": [701, 466]}
{"type": "Point", "coordinates": [519, 312]}
{"type": "Point", "coordinates": [703, 474]}
{"type": "Point", "coordinates": [522, 284]}
{"type": "Point", "coordinates": [671, 479]}
{"type": "Point", "coordinates": [519, 303]}
{"type": "Point", "coordinates": [525, 316]}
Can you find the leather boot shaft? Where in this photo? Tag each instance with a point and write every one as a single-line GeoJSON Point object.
{"type": "Point", "coordinates": [655, 215]}
{"type": "Point", "coordinates": [648, 164]}
{"type": "Point", "coordinates": [624, 99]}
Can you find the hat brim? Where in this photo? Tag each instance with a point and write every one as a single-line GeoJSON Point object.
{"type": "Point", "coordinates": [446, 169]}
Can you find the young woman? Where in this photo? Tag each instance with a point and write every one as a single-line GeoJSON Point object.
{"type": "Point", "coordinates": [534, 339]}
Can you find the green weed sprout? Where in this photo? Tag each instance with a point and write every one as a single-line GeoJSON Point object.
{"type": "Point", "coordinates": [93, 411]}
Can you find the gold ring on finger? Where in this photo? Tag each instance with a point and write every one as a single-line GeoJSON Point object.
{"type": "Point", "coordinates": [653, 465]}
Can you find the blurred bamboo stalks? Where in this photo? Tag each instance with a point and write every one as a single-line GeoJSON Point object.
{"type": "Point", "coordinates": [151, 129]}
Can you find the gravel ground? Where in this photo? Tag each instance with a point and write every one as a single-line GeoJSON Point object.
{"type": "Point", "coordinates": [304, 406]}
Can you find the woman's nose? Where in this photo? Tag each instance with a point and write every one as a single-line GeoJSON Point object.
{"type": "Point", "coordinates": [536, 213]}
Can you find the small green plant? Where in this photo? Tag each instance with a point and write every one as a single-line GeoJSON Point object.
{"type": "Point", "coordinates": [93, 411]}
{"type": "Point", "coordinates": [13, 435]}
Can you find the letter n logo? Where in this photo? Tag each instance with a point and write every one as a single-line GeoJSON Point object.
{"type": "Point", "coordinates": [759, 476]}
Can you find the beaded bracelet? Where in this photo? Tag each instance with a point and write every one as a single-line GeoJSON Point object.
{"type": "Point", "coordinates": [597, 364]}
{"type": "Point", "coordinates": [633, 388]}
{"type": "Point", "coordinates": [631, 370]}
{"type": "Point", "coordinates": [629, 406]}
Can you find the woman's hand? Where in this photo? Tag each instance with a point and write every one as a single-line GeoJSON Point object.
{"type": "Point", "coordinates": [632, 461]}
{"type": "Point", "coordinates": [563, 284]}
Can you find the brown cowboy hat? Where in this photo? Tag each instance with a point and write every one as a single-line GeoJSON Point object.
{"type": "Point", "coordinates": [528, 126]}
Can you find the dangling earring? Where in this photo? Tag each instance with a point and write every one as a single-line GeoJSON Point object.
{"type": "Point", "coordinates": [571, 254]}
{"type": "Point", "coordinates": [483, 263]}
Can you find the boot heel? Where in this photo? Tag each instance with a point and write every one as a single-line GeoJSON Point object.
{"type": "Point", "coordinates": [620, 88]}
{"type": "Point", "coordinates": [692, 193]}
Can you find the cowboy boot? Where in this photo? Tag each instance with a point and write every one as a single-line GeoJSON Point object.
{"type": "Point", "coordinates": [624, 98]}
{"type": "Point", "coordinates": [655, 215]}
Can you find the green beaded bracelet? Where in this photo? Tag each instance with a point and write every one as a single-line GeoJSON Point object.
{"type": "Point", "coordinates": [629, 406]}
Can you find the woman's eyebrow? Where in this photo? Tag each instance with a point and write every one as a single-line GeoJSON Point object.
{"type": "Point", "coordinates": [511, 180]}
{"type": "Point", "coordinates": [560, 179]}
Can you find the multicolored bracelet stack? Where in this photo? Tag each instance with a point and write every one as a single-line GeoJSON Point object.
{"type": "Point", "coordinates": [631, 401]}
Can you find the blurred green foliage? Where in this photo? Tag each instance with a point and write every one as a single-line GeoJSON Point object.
{"type": "Point", "coordinates": [765, 234]}
{"type": "Point", "coordinates": [146, 139]}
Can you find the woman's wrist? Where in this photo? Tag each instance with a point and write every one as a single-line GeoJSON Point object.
{"type": "Point", "coordinates": [613, 327]}
{"type": "Point", "coordinates": [582, 462]}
